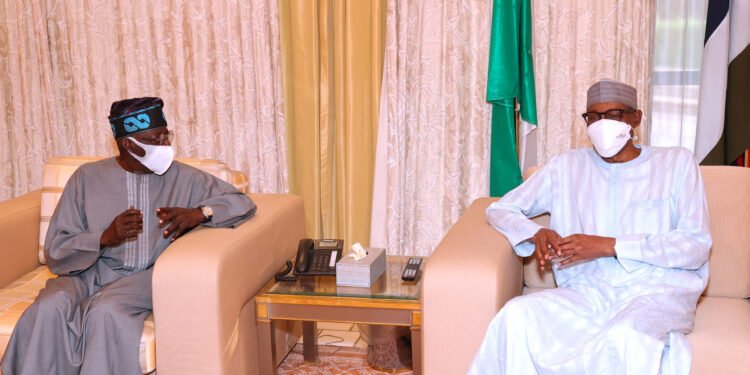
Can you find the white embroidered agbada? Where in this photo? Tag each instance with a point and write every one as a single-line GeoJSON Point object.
{"type": "Point", "coordinates": [623, 315]}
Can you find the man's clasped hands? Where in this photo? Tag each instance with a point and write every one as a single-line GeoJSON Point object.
{"type": "Point", "coordinates": [568, 251]}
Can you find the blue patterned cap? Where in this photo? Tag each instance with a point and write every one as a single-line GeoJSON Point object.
{"type": "Point", "coordinates": [130, 116]}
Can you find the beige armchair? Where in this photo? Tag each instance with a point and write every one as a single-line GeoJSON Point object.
{"type": "Point", "coordinates": [203, 284]}
{"type": "Point", "coordinates": [473, 272]}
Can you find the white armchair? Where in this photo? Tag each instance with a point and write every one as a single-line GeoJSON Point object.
{"type": "Point", "coordinates": [474, 272]}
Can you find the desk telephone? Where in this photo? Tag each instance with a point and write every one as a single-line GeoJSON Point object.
{"type": "Point", "coordinates": [318, 257]}
{"type": "Point", "coordinates": [314, 258]}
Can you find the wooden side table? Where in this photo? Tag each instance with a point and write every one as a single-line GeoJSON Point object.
{"type": "Point", "coordinates": [390, 301]}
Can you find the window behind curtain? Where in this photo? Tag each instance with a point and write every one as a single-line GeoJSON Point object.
{"type": "Point", "coordinates": [675, 80]}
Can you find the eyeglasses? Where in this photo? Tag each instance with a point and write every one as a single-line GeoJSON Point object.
{"type": "Point", "coordinates": [167, 137]}
{"type": "Point", "coordinates": [612, 114]}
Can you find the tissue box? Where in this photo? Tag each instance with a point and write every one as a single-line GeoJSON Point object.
{"type": "Point", "coordinates": [362, 273]}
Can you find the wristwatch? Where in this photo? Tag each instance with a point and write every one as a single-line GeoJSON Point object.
{"type": "Point", "coordinates": [208, 213]}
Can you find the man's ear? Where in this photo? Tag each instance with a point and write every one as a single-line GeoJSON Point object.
{"type": "Point", "coordinates": [131, 147]}
{"type": "Point", "coordinates": [637, 115]}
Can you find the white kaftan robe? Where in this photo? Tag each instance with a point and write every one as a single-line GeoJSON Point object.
{"type": "Point", "coordinates": [623, 315]}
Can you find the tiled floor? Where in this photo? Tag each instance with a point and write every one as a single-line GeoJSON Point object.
{"type": "Point", "coordinates": [339, 334]}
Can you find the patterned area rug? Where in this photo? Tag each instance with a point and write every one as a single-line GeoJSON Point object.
{"type": "Point", "coordinates": [331, 360]}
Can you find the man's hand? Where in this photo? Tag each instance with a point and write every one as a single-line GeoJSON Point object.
{"type": "Point", "coordinates": [547, 246]}
{"type": "Point", "coordinates": [581, 247]}
{"type": "Point", "coordinates": [180, 220]}
{"type": "Point", "coordinates": [126, 225]}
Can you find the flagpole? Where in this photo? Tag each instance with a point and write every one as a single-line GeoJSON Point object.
{"type": "Point", "coordinates": [517, 118]}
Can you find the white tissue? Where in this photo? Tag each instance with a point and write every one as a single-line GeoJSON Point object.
{"type": "Point", "coordinates": [357, 252]}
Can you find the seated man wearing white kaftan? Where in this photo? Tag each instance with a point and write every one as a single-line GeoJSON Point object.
{"type": "Point", "coordinates": [628, 244]}
{"type": "Point", "coordinates": [114, 218]}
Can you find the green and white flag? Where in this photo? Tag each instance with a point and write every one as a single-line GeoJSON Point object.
{"type": "Point", "coordinates": [510, 79]}
{"type": "Point", "coordinates": [723, 132]}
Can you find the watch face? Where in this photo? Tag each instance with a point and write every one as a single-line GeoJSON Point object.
{"type": "Point", "coordinates": [207, 212]}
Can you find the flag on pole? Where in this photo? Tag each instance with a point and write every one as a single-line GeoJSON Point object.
{"type": "Point", "coordinates": [510, 80]}
{"type": "Point", "coordinates": [723, 132]}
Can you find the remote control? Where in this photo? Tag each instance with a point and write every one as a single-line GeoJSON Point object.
{"type": "Point", "coordinates": [411, 271]}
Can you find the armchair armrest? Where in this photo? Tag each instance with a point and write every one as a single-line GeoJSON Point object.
{"type": "Point", "coordinates": [19, 232]}
{"type": "Point", "coordinates": [468, 277]}
{"type": "Point", "coordinates": [203, 280]}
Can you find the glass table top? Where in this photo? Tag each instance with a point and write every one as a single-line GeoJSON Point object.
{"type": "Point", "coordinates": [388, 286]}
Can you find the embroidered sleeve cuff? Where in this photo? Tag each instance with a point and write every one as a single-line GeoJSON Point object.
{"type": "Point", "coordinates": [628, 251]}
{"type": "Point", "coordinates": [520, 238]}
{"type": "Point", "coordinates": [525, 248]}
{"type": "Point", "coordinates": [90, 241]}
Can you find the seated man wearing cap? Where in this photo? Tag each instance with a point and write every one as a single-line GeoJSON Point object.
{"type": "Point", "coordinates": [114, 218]}
{"type": "Point", "coordinates": [628, 244]}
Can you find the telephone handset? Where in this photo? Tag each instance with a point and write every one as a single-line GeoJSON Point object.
{"type": "Point", "coordinates": [318, 257]}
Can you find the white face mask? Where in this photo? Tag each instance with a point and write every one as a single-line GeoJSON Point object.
{"type": "Point", "coordinates": [157, 158]}
{"type": "Point", "coordinates": [609, 136]}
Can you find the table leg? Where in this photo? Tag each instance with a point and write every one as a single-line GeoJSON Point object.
{"type": "Point", "coordinates": [265, 347]}
{"type": "Point", "coordinates": [310, 341]}
{"type": "Point", "coordinates": [416, 349]}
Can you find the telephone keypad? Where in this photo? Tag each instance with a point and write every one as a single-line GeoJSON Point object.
{"type": "Point", "coordinates": [320, 262]}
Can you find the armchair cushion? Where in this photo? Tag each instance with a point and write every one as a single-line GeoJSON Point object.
{"type": "Point", "coordinates": [729, 209]}
{"type": "Point", "coordinates": [721, 337]}
{"type": "Point", "coordinates": [16, 297]}
{"type": "Point", "coordinates": [534, 278]}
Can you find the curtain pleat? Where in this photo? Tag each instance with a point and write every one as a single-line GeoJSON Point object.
{"type": "Point", "coordinates": [216, 64]}
{"type": "Point", "coordinates": [576, 44]}
{"type": "Point", "coordinates": [433, 137]}
{"type": "Point", "coordinates": [24, 75]}
{"type": "Point", "coordinates": [332, 56]}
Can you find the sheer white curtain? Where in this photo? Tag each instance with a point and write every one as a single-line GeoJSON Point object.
{"type": "Point", "coordinates": [29, 126]}
{"type": "Point", "coordinates": [576, 43]}
{"type": "Point", "coordinates": [675, 81]}
{"type": "Point", "coordinates": [216, 64]}
{"type": "Point", "coordinates": [433, 132]}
